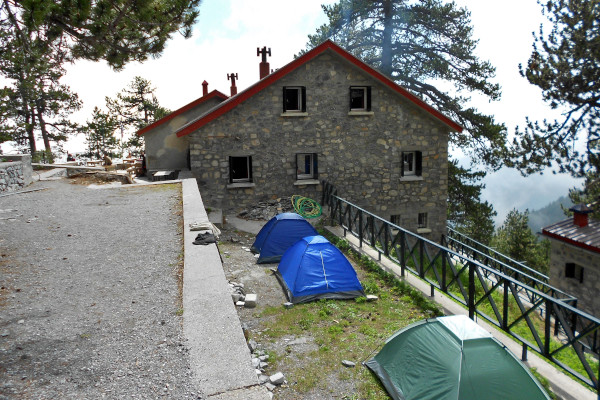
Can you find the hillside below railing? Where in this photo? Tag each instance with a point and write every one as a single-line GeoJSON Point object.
{"type": "Point", "coordinates": [550, 326]}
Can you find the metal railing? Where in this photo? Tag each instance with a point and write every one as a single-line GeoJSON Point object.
{"type": "Point", "coordinates": [498, 261]}
{"type": "Point", "coordinates": [561, 332]}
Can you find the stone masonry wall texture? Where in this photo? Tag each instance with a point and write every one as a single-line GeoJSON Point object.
{"type": "Point", "coordinates": [11, 176]}
{"type": "Point", "coordinates": [586, 291]}
{"type": "Point", "coordinates": [359, 154]}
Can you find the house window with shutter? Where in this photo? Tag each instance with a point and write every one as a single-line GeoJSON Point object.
{"type": "Point", "coordinates": [411, 164]}
{"type": "Point", "coordinates": [360, 98]}
{"type": "Point", "coordinates": [574, 271]}
{"type": "Point", "coordinates": [294, 99]}
{"type": "Point", "coordinates": [306, 166]}
{"type": "Point", "coordinates": [240, 169]}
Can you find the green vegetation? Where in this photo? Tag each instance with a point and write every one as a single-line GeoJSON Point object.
{"type": "Point", "coordinates": [352, 329]}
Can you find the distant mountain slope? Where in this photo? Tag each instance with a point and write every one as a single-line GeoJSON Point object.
{"type": "Point", "coordinates": [549, 214]}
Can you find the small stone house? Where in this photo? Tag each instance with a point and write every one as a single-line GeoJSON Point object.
{"type": "Point", "coordinates": [575, 258]}
{"type": "Point", "coordinates": [324, 116]}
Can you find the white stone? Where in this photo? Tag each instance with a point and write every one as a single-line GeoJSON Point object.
{"type": "Point", "coordinates": [277, 379]}
{"type": "Point", "coordinates": [250, 300]}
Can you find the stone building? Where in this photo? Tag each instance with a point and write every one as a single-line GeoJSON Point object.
{"type": "Point", "coordinates": [324, 116]}
{"type": "Point", "coordinates": [575, 258]}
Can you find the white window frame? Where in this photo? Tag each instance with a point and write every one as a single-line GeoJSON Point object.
{"type": "Point", "coordinates": [311, 174]}
{"type": "Point", "coordinates": [299, 98]}
{"type": "Point", "coordinates": [364, 98]}
{"type": "Point", "coordinates": [409, 171]}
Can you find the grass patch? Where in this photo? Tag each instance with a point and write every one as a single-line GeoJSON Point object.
{"type": "Point", "coordinates": [343, 330]}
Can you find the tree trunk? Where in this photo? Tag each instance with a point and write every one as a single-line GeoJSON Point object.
{"type": "Point", "coordinates": [44, 130]}
{"type": "Point", "coordinates": [386, 45]}
{"type": "Point", "coordinates": [30, 125]}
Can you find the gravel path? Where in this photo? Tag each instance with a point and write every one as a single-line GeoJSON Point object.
{"type": "Point", "coordinates": [89, 294]}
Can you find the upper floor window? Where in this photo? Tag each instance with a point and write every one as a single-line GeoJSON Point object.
{"type": "Point", "coordinates": [294, 99]}
{"type": "Point", "coordinates": [360, 98]}
{"type": "Point", "coordinates": [240, 169]}
{"type": "Point", "coordinates": [306, 166]}
{"type": "Point", "coordinates": [574, 271]}
{"type": "Point", "coordinates": [411, 163]}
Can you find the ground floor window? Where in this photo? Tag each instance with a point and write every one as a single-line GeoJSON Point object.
{"type": "Point", "coordinates": [240, 169]}
{"type": "Point", "coordinates": [574, 271]}
{"type": "Point", "coordinates": [422, 220]}
{"type": "Point", "coordinates": [395, 219]}
{"type": "Point", "coordinates": [306, 166]}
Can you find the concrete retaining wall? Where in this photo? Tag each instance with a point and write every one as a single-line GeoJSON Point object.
{"type": "Point", "coordinates": [15, 172]}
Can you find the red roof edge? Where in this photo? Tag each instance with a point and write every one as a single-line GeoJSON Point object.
{"type": "Point", "coordinates": [571, 241]}
{"type": "Point", "coordinates": [278, 74]}
{"type": "Point", "coordinates": [211, 95]}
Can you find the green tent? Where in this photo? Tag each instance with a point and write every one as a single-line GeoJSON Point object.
{"type": "Point", "coordinates": [452, 358]}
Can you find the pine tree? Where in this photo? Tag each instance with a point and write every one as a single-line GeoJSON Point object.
{"type": "Point", "coordinates": [423, 45]}
{"type": "Point", "coordinates": [466, 212]}
{"type": "Point", "coordinates": [100, 133]}
{"type": "Point", "coordinates": [516, 240]}
{"type": "Point", "coordinates": [135, 107]}
{"type": "Point", "coordinates": [565, 64]}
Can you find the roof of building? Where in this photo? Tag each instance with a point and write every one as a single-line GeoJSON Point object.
{"type": "Point", "coordinates": [213, 94]}
{"type": "Point", "coordinates": [270, 79]}
{"type": "Point", "coordinates": [587, 237]}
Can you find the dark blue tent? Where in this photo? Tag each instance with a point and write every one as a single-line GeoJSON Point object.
{"type": "Point", "coordinates": [281, 232]}
{"type": "Point", "coordinates": [313, 268]}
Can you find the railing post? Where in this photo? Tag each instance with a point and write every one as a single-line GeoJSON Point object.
{"type": "Point", "coordinates": [386, 243]}
{"type": "Point", "coordinates": [360, 228]}
{"type": "Point", "coordinates": [547, 327]}
{"type": "Point", "coordinates": [444, 261]}
{"type": "Point", "coordinates": [372, 228]}
{"type": "Point", "coordinates": [524, 353]}
{"type": "Point", "coordinates": [505, 306]}
{"type": "Point", "coordinates": [402, 253]}
{"type": "Point", "coordinates": [421, 256]}
{"type": "Point", "coordinates": [471, 290]}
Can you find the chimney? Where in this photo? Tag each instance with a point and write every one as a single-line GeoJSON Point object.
{"type": "Point", "coordinates": [204, 88]}
{"type": "Point", "coordinates": [580, 214]}
{"type": "Point", "coordinates": [264, 65]}
{"type": "Point", "coordinates": [233, 88]}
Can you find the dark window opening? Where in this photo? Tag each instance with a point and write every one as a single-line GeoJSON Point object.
{"type": "Point", "coordinates": [240, 169]}
{"type": "Point", "coordinates": [411, 164]}
{"type": "Point", "coordinates": [294, 98]}
{"type": "Point", "coordinates": [422, 220]}
{"type": "Point", "coordinates": [395, 219]}
{"type": "Point", "coordinates": [306, 166]}
{"type": "Point", "coordinates": [574, 271]}
{"type": "Point", "coordinates": [360, 98]}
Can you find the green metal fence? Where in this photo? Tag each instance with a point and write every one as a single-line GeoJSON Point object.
{"type": "Point", "coordinates": [540, 317]}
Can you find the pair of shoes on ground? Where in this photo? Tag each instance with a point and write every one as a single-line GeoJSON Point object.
{"type": "Point", "coordinates": [205, 238]}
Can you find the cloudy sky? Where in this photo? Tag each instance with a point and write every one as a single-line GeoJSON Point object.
{"type": "Point", "coordinates": [229, 31]}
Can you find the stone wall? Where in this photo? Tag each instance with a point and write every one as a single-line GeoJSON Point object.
{"type": "Point", "coordinates": [586, 291]}
{"type": "Point", "coordinates": [360, 153]}
{"type": "Point", "coordinates": [15, 172]}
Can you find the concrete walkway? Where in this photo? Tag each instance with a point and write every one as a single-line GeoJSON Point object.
{"type": "Point", "coordinates": [562, 385]}
{"type": "Point", "coordinates": [218, 351]}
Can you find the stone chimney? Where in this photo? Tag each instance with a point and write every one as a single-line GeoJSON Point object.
{"type": "Point", "coordinates": [204, 88]}
{"type": "Point", "coordinates": [264, 65]}
{"type": "Point", "coordinates": [233, 88]}
{"type": "Point", "coordinates": [580, 215]}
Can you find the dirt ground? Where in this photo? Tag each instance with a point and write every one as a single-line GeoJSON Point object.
{"type": "Point", "coordinates": [292, 351]}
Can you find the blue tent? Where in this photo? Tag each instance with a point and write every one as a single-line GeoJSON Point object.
{"type": "Point", "coordinates": [313, 268]}
{"type": "Point", "coordinates": [281, 232]}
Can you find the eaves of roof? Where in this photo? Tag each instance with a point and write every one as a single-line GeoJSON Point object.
{"type": "Point", "coordinates": [587, 237]}
{"type": "Point", "coordinates": [233, 101]}
{"type": "Point", "coordinates": [213, 94]}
